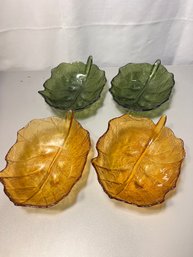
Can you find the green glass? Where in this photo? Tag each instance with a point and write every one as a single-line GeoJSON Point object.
{"type": "Point", "coordinates": [74, 86]}
{"type": "Point", "coordinates": [142, 86]}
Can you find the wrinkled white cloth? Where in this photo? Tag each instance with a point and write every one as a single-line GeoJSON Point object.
{"type": "Point", "coordinates": [42, 33]}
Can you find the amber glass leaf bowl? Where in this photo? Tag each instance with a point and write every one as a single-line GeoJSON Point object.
{"type": "Point", "coordinates": [142, 86]}
{"type": "Point", "coordinates": [138, 161]}
{"type": "Point", "coordinates": [46, 161]}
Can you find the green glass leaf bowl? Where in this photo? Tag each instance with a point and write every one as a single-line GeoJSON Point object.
{"type": "Point", "coordinates": [74, 86]}
{"type": "Point", "coordinates": [142, 86]}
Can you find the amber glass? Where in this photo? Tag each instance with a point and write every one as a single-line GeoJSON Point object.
{"type": "Point", "coordinates": [138, 162]}
{"type": "Point", "coordinates": [46, 161]}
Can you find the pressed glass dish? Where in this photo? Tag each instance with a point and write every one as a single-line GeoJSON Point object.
{"type": "Point", "coordinates": [74, 86]}
{"type": "Point", "coordinates": [142, 86]}
{"type": "Point", "coordinates": [138, 161]}
{"type": "Point", "coordinates": [46, 161]}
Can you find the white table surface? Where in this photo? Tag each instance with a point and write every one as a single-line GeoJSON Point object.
{"type": "Point", "coordinates": [96, 226]}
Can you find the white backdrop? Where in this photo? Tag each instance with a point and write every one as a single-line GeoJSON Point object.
{"type": "Point", "coordinates": [42, 33]}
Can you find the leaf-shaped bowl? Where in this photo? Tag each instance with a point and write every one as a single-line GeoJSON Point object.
{"type": "Point", "coordinates": [138, 162]}
{"type": "Point", "coordinates": [142, 86]}
{"type": "Point", "coordinates": [74, 86]}
{"type": "Point", "coordinates": [46, 161]}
